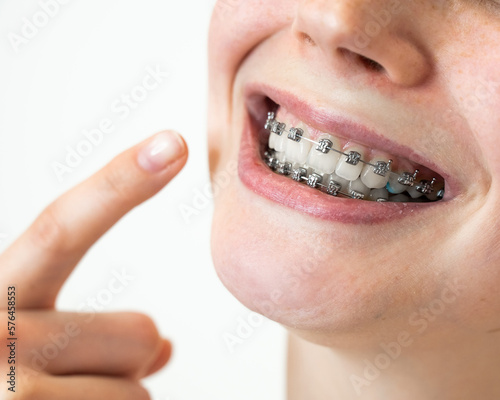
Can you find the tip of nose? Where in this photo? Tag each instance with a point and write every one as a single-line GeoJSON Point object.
{"type": "Point", "coordinates": [385, 48]}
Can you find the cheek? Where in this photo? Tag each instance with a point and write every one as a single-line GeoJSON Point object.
{"type": "Point", "coordinates": [473, 79]}
{"type": "Point", "coordinates": [237, 26]}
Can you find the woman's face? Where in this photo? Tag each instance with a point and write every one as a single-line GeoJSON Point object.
{"type": "Point", "coordinates": [417, 82]}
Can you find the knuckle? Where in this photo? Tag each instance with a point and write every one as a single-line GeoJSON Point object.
{"type": "Point", "coordinates": [145, 329]}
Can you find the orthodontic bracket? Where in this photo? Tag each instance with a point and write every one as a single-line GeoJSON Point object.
{"type": "Point", "coordinates": [295, 134]}
{"type": "Point", "coordinates": [353, 158]}
{"type": "Point", "coordinates": [284, 168]}
{"type": "Point", "coordinates": [278, 128]}
{"type": "Point", "coordinates": [382, 168]}
{"type": "Point", "coordinates": [325, 145]}
{"type": "Point", "coordinates": [407, 179]}
{"type": "Point", "coordinates": [356, 195]}
{"type": "Point", "coordinates": [333, 188]}
{"type": "Point", "coordinates": [314, 180]}
{"type": "Point", "coordinates": [274, 126]}
{"type": "Point", "coordinates": [271, 161]}
{"type": "Point", "coordinates": [299, 174]}
{"type": "Point", "coordinates": [425, 186]}
{"type": "Point", "coordinates": [270, 121]}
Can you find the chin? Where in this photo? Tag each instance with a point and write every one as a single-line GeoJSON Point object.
{"type": "Point", "coordinates": [294, 281]}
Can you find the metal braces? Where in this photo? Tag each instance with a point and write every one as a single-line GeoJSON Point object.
{"type": "Point", "coordinates": [381, 168]}
{"type": "Point", "coordinates": [312, 180]}
{"type": "Point", "coordinates": [425, 186]}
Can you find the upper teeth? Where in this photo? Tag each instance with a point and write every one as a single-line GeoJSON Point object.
{"type": "Point", "coordinates": [321, 163]}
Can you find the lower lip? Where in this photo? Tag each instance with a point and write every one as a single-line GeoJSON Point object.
{"type": "Point", "coordinates": [257, 177]}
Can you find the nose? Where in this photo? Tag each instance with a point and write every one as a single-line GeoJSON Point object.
{"type": "Point", "coordinates": [376, 35]}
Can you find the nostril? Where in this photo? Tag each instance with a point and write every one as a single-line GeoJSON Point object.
{"type": "Point", "coordinates": [366, 62]}
{"type": "Point", "coordinates": [305, 38]}
{"type": "Point", "coordinates": [370, 64]}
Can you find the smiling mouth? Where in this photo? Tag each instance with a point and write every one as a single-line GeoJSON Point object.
{"type": "Point", "coordinates": [342, 168]}
{"type": "Point", "coordinates": [318, 162]}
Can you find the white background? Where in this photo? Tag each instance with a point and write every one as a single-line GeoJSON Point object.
{"type": "Point", "coordinates": [64, 80]}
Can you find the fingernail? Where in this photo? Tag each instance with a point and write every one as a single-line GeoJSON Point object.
{"type": "Point", "coordinates": [161, 151]}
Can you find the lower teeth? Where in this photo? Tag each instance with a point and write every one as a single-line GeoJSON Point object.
{"type": "Point", "coordinates": [401, 187]}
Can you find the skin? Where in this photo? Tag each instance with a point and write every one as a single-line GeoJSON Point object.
{"type": "Point", "coordinates": [40, 260]}
{"type": "Point", "coordinates": [417, 296]}
{"type": "Point", "coordinates": [427, 282]}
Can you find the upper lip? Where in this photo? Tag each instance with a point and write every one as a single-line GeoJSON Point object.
{"type": "Point", "coordinates": [330, 121]}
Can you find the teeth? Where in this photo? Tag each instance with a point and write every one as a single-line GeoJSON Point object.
{"type": "Point", "coordinates": [280, 142]}
{"type": "Point", "coordinates": [321, 158]}
{"type": "Point", "coordinates": [358, 189]}
{"type": "Point", "coordinates": [400, 198]}
{"type": "Point", "coordinates": [272, 141]}
{"type": "Point", "coordinates": [438, 193]}
{"type": "Point", "coordinates": [349, 167]}
{"type": "Point", "coordinates": [394, 186]}
{"type": "Point", "coordinates": [424, 187]}
{"type": "Point", "coordinates": [280, 156]}
{"type": "Point", "coordinates": [379, 195]}
{"type": "Point", "coordinates": [321, 164]}
{"type": "Point", "coordinates": [298, 151]}
{"type": "Point", "coordinates": [376, 177]}
{"type": "Point", "coordinates": [414, 193]}
{"type": "Point", "coordinates": [344, 183]}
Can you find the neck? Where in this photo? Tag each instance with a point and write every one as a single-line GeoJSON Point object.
{"type": "Point", "coordinates": [461, 366]}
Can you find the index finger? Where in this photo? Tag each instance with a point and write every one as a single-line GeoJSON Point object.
{"type": "Point", "coordinates": [41, 259]}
